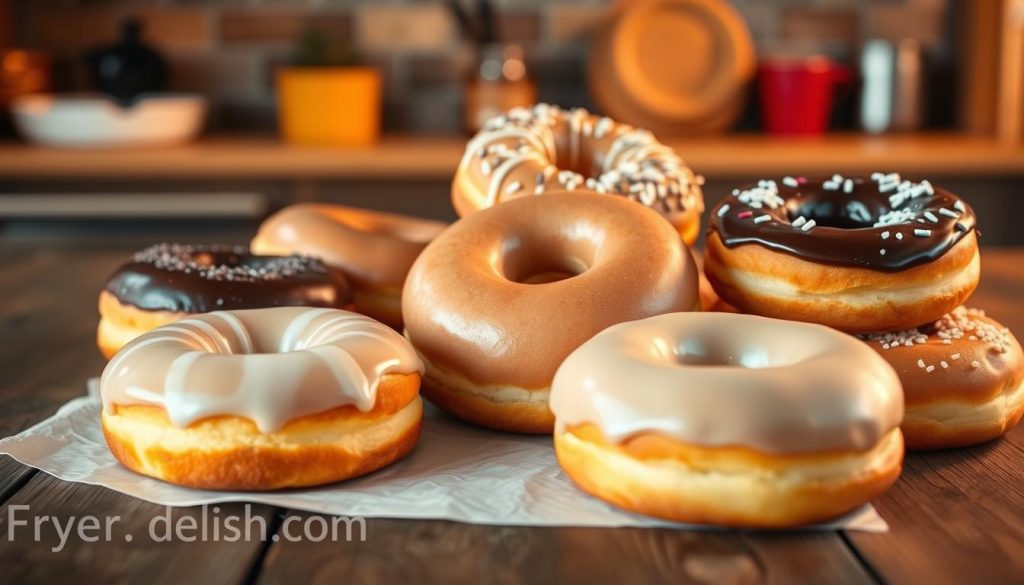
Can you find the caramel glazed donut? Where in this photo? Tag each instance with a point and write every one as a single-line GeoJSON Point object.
{"type": "Point", "coordinates": [497, 301]}
{"type": "Point", "coordinates": [262, 399]}
{"type": "Point", "coordinates": [533, 151]}
{"type": "Point", "coordinates": [167, 282]}
{"type": "Point", "coordinates": [374, 249]}
{"type": "Point", "coordinates": [859, 254]}
{"type": "Point", "coordinates": [963, 379]}
{"type": "Point", "coordinates": [736, 420]}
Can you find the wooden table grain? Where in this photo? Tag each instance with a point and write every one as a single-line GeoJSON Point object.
{"type": "Point", "coordinates": [955, 516]}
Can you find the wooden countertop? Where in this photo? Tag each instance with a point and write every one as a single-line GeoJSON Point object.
{"type": "Point", "coordinates": [435, 158]}
{"type": "Point", "coordinates": [956, 516]}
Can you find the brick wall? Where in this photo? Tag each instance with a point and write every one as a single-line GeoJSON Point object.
{"type": "Point", "coordinates": [228, 49]}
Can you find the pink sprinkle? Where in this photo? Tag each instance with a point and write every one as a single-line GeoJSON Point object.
{"type": "Point", "coordinates": [745, 214]}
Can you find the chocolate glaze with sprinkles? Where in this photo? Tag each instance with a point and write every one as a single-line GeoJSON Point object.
{"type": "Point", "coordinates": [198, 279]}
{"type": "Point", "coordinates": [847, 226]}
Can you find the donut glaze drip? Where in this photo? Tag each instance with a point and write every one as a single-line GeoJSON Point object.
{"type": "Point", "coordinates": [198, 279]}
{"type": "Point", "coordinates": [268, 365]}
{"type": "Point", "coordinates": [880, 223]}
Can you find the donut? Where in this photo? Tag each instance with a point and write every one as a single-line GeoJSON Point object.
{"type": "Point", "coordinates": [546, 149]}
{"type": "Point", "coordinates": [374, 249]}
{"type": "Point", "coordinates": [497, 301]}
{"type": "Point", "coordinates": [963, 379]}
{"type": "Point", "coordinates": [167, 282]}
{"type": "Point", "coordinates": [727, 419]}
{"type": "Point", "coordinates": [861, 254]}
{"type": "Point", "coordinates": [262, 399]}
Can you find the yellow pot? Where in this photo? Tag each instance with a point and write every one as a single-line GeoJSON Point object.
{"type": "Point", "coordinates": [329, 106]}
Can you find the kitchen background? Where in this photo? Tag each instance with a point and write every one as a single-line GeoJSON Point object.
{"type": "Point", "coordinates": [951, 104]}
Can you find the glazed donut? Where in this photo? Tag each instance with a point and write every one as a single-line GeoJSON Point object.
{"type": "Point", "coordinates": [167, 282]}
{"type": "Point", "coordinates": [858, 254]}
{"type": "Point", "coordinates": [262, 399]}
{"type": "Point", "coordinates": [963, 379]}
{"type": "Point", "coordinates": [728, 419]}
{"type": "Point", "coordinates": [495, 303]}
{"type": "Point", "coordinates": [533, 151]}
{"type": "Point", "coordinates": [374, 249]}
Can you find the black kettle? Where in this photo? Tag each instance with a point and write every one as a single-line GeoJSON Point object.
{"type": "Point", "coordinates": [127, 68]}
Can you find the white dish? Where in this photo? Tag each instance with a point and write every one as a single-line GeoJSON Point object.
{"type": "Point", "coordinates": [90, 121]}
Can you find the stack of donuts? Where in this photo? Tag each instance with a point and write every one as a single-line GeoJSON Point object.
{"type": "Point", "coordinates": [565, 302]}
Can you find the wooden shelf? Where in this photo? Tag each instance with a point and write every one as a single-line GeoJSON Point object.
{"type": "Point", "coordinates": [435, 158]}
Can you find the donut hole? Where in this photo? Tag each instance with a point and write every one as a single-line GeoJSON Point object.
{"type": "Point", "coordinates": [543, 261]}
{"type": "Point", "coordinates": [846, 214]}
{"type": "Point", "coordinates": [720, 353]}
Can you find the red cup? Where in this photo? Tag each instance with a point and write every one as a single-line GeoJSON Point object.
{"type": "Point", "coordinates": [797, 94]}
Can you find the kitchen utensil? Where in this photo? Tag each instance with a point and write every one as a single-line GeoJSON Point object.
{"type": "Point", "coordinates": [892, 91]}
{"type": "Point", "coordinates": [128, 68]}
{"type": "Point", "coordinates": [797, 94]}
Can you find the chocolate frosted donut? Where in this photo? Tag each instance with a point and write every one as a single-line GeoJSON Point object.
{"type": "Point", "coordinates": [167, 282]}
{"type": "Point", "coordinates": [857, 253]}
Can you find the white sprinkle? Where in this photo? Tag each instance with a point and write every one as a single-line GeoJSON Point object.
{"type": "Point", "coordinates": [948, 213]}
{"type": "Point", "coordinates": [975, 364]}
{"type": "Point", "coordinates": [723, 210]}
{"type": "Point", "coordinates": [959, 206]}
{"type": "Point", "coordinates": [799, 221]}
{"type": "Point", "coordinates": [837, 178]}
{"type": "Point", "coordinates": [955, 356]}
{"type": "Point", "coordinates": [830, 186]}
{"type": "Point", "coordinates": [944, 364]}
{"type": "Point", "coordinates": [882, 251]}
{"type": "Point", "coordinates": [885, 235]}
{"type": "Point", "coordinates": [899, 235]}
{"type": "Point", "coordinates": [513, 187]}
{"type": "Point", "coordinates": [485, 167]}
{"type": "Point", "coordinates": [931, 217]}
{"type": "Point", "coordinates": [790, 182]}
{"type": "Point", "coordinates": [807, 226]}
{"type": "Point", "coordinates": [762, 218]}
{"type": "Point", "coordinates": [876, 176]}
{"type": "Point", "coordinates": [922, 233]}
{"type": "Point", "coordinates": [920, 363]}
{"type": "Point", "coordinates": [947, 342]}
{"type": "Point", "coordinates": [930, 369]}
{"type": "Point", "coordinates": [848, 186]}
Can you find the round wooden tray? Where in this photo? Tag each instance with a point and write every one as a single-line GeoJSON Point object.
{"type": "Point", "coordinates": [672, 65]}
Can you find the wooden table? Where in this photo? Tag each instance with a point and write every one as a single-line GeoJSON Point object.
{"type": "Point", "coordinates": [956, 516]}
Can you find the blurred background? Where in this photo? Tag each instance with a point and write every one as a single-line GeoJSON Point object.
{"type": "Point", "coordinates": [192, 119]}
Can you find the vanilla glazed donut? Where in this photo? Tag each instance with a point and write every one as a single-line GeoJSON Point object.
{"type": "Point", "coordinates": [963, 379]}
{"type": "Point", "coordinates": [373, 248]}
{"type": "Point", "coordinates": [497, 301]}
{"type": "Point", "coordinates": [167, 282]}
{"type": "Point", "coordinates": [735, 420]}
{"type": "Point", "coordinates": [545, 149]}
{"type": "Point", "coordinates": [262, 399]}
{"type": "Point", "coordinates": [859, 254]}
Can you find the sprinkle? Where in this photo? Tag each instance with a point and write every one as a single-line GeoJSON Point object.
{"type": "Point", "coordinates": [955, 356]}
{"type": "Point", "coordinates": [745, 214]}
{"type": "Point", "coordinates": [830, 186]}
{"type": "Point", "coordinates": [922, 233]}
{"type": "Point", "coordinates": [975, 364]}
{"type": "Point", "coordinates": [790, 182]}
{"type": "Point", "coordinates": [513, 187]}
{"type": "Point", "coordinates": [876, 176]}
{"type": "Point", "coordinates": [947, 341]}
{"type": "Point", "coordinates": [485, 166]}
{"type": "Point", "coordinates": [762, 218]}
{"type": "Point", "coordinates": [931, 217]}
{"type": "Point", "coordinates": [723, 210]}
{"type": "Point", "coordinates": [799, 221]}
{"type": "Point", "coordinates": [944, 365]}
{"type": "Point", "coordinates": [807, 226]}
{"type": "Point", "coordinates": [837, 178]}
{"type": "Point", "coordinates": [948, 213]}
{"type": "Point", "coordinates": [885, 235]}
{"type": "Point", "coordinates": [882, 251]}
{"type": "Point", "coordinates": [959, 206]}
{"type": "Point", "coordinates": [920, 363]}
{"type": "Point", "coordinates": [960, 227]}
{"type": "Point", "coordinates": [930, 369]}
{"type": "Point", "coordinates": [899, 235]}
{"type": "Point", "coordinates": [848, 186]}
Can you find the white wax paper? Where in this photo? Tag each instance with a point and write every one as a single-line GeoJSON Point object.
{"type": "Point", "coordinates": [457, 472]}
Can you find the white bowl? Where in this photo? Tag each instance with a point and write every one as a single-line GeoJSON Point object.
{"type": "Point", "coordinates": [79, 121]}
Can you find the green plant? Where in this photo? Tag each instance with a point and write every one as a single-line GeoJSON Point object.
{"type": "Point", "coordinates": [316, 48]}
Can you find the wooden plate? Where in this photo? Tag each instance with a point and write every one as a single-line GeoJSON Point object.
{"type": "Point", "coordinates": [672, 65]}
